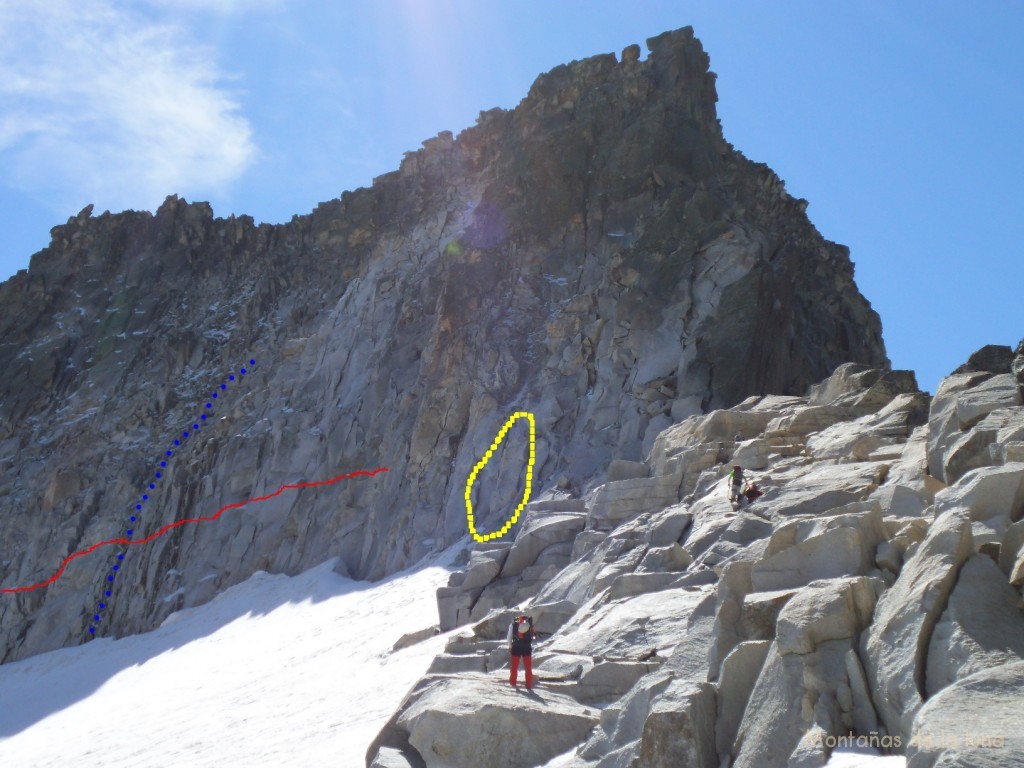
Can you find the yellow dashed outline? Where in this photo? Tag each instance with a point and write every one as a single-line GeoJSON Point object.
{"type": "Point", "coordinates": [483, 463]}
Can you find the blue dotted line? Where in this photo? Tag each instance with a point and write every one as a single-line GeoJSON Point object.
{"type": "Point", "coordinates": [158, 474]}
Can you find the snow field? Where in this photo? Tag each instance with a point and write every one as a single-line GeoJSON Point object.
{"type": "Point", "coordinates": [277, 671]}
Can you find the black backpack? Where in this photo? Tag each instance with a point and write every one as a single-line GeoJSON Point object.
{"type": "Point", "coordinates": [522, 641]}
{"type": "Point", "coordinates": [515, 630]}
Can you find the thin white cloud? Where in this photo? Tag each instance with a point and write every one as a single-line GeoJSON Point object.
{"type": "Point", "coordinates": [101, 104]}
{"type": "Point", "coordinates": [219, 7]}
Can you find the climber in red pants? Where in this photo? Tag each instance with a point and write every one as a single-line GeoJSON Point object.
{"type": "Point", "coordinates": [520, 645]}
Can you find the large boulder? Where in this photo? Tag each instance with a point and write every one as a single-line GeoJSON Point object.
{"type": "Point", "coordinates": [614, 741]}
{"type": "Point", "coordinates": [889, 386]}
{"type": "Point", "coordinates": [910, 469]}
{"type": "Point", "coordinates": [461, 600]}
{"type": "Point", "coordinates": [733, 587]}
{"type": "Point", "coordinates": [894, 646]}
{"type": "Point", "coordinates": [804, 550]}
{"type": "Point", "coordinates": [1000, 391]}
{"type": "Point", "coordinates": [668, 526]}
{"type": "Point", "coordinates": [448, 607]}
{"type": "Point", "coordinates": [773, 721]}
{"type": "Point", "coordinates": [961, 404]}
{"type": "Point", "coordinates": [690, 660]}
{"type": "Point", "coordinates": [716, 427]}
{"type": "Point", "coordinates": [980, 628]}
{"type": "Point", "coordinates": [807, 420]}
{"type": "Point", "coordinates": [719, 533]}
{"type": "Point", "coordinates": [810, 678]}
{"type": "Point", "coordinates": [629, 584]}
{"type": "Point", "coordinates": [974, 723]}
{"type": "Point", "coordinates": [826, 610]}
{"type": "Point", "coordinates": [629, 542]}
{"type": "Point", "coordinates": [478, 721]}
{"type": "Point", "coordinates": [680, 728]}
{"type": "Point", "coordinates": [626, 629]}
{"type": "Point", "coordinates": [621, 500]}
{"type": "Point", "coordinates": [794, 694]}
{"type": "Point", "coordinates": [824, 487]}
{"type": "Point", "coordinates": [539, 531]}
{"type": "Point", "coordinates": [985, 443]}
{"type": "Point", "coordinates": [761, 610]}
{"type": "Point", "coordinates": [736, 679]}
{"type": "Point", "coordinates": [968, 451]}
{"type": "Point", "coordinates": [608, 681]}
{"type": "Point", "coordinates": [987, 492]}
{"type": "Point", "coordinates": [597, 559]}
{"type": "Point", "coordinates": [901, 500]}
{"type": "Point", "coordinates": [861, 438]}
{"type": "Point", "coordinates": [484, 565]}
{"type": "Point", "coordinates": [669, 559]}
{"type": "Point", "coordinates": [992, 358]}
{"type": "Point", "coordinates": [944, 424]}
{"type": "Point", "coordinates": [663, 721]}
{"type": "Point", "coordinates": [890, 553]}
{"type": "Point", "coordinates": [621, 469]}
{"type": "Point", "coordinates": [846, 379]}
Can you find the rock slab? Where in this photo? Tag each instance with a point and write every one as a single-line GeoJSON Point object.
{"type": "Point", "coordinates": [481, 721]}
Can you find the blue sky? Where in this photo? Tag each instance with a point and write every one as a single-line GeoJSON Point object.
{"type": "Point", "coordinates": [900, 122]}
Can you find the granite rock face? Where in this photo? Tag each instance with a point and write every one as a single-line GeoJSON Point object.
{"type": "Point", "coordinates": [859, 602]}
{"type": "Point", "coordinates": [972, 724]}
{"type": "Point", "coordinates": [599, 256]}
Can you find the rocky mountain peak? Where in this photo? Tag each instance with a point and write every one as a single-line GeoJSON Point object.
{"type": "Point", "coordinates": [598, 256]}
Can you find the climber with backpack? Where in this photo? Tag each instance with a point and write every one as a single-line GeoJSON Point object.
{"type": "Point", "coordinates": [752, 492]}
{"type": "Point", "coordinates": [520, 645]}
{"type": "Point", "coordinates": [736, 484]}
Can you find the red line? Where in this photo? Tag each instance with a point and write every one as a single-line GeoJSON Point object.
{"type": "Point", "coordinates": [169, 526]}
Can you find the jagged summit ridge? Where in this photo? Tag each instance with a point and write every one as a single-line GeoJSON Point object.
{"type": "Point", "coordinates": [599, 256]}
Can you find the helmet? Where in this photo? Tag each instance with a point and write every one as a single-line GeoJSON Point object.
{"type": "Point", "coordinates": [736, 466]}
